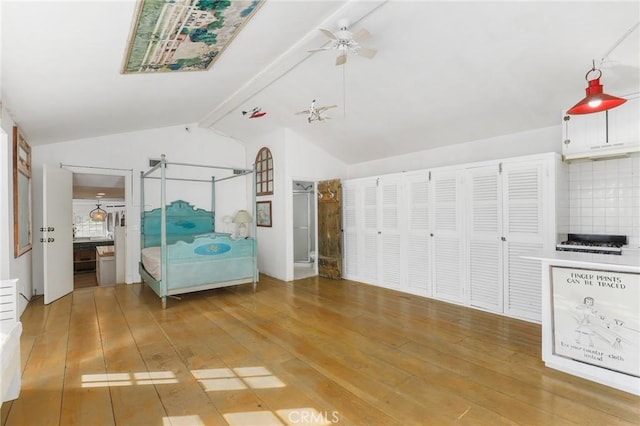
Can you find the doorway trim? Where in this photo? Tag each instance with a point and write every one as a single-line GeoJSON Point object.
{"type": "Point", "coordinates": [128, 197]}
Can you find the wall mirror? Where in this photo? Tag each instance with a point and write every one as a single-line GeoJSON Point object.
{"type": "Point", "coordinates": [21, 193]}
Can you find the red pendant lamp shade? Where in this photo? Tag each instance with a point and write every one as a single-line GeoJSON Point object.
{"type": "Point", "coordinates": [596, 100]}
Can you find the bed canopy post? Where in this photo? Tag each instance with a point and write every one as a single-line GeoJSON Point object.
{"type": "Point", "coordinates": [255, 227]}
{"type": "Point", "coordinates": [141, 210]}
{"type": "Point", "coordinates": [163, 228]}
{"type": "Point", "coordinates": [213, 201]}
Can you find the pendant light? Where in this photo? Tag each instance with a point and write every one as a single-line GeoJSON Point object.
{"type": "Point", "coordinates": [596, 100]}
{"type": "Point", "coordinates": [97, 214]}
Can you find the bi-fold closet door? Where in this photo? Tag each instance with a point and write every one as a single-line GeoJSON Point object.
{"type": "Point", "coordinates": [386, 230]}
{"type": "Point", "coordinates": [456, 234]}
{"type": "Point", "coordinates": [505, 220]}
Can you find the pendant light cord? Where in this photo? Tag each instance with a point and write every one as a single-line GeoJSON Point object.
{"type": "Point", "coordinates": [620, 40]}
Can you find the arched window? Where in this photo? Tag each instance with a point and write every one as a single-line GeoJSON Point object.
{"type": "Point", "coordinates": [264, 172]}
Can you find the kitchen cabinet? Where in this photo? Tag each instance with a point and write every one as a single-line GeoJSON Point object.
{"type": "Point", "coordinates": [608, 133]}
{"type": "Point", "coordinates": [457, 233]}
{"type": "Point", "coordinates": [597, 340]}
{"type": "Point", "coordinates": [84, 260]}
{"type": "Point", "coordinates": [105, 265]}
{"type": "Point", "coordinates": [84, 255]}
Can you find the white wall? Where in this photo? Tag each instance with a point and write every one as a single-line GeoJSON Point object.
{"type": "Point", "coordinates": [271, 241]}
{"type": "Point", "coordinates": [20, 267]}
{"type": "Point", "coordinates": [294, 158]}
{"type": "Point", "coordinates": [181, 144]}
{"type": "Point", "coordinates": [548, 139]}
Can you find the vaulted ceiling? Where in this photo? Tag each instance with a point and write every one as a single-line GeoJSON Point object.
{"type": "Point", "coordinates": [445, 72]}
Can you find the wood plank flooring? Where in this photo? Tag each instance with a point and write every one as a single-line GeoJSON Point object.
{"type": "Point", "coordinates": [311, 351]}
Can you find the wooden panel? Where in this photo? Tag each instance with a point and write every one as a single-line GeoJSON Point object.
{"type": "Point", "coordinates": [330, 229]}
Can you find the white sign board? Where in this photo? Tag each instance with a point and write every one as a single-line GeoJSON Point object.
{"type": "Point", "coordinates": [596, 318]}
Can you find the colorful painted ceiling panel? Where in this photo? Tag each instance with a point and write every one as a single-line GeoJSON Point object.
{"type": "Point", "coordinates": [184, 35]}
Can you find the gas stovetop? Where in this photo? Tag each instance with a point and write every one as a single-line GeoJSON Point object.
{"type": "Point", "coordinates": [593, 243]}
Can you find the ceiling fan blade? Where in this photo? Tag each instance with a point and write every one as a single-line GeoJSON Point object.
{"type": "Point", "coordinates": [319, 49]}
{"type": "Point", "coordinates": [367, 53]}
{"type": "Point", "coordinates": [341, 59]}
{"type": "Point", "coordinates": [362, 35]}
{"type": "Point", "coordinates": [306, 111]}
{"type": "Point", "coordinates": [328, 33]}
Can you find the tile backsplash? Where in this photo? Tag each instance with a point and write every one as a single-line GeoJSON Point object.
{"type": "Point", "coordinates": [604, 197]}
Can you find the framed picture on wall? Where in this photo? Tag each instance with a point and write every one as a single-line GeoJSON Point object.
{"type": "Point", "coordinates": [263, 213]}
{"type": "Point", "coordinates": [21, 193]}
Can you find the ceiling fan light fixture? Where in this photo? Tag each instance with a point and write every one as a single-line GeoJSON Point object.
{"type": "Point", "coordinates": [595, 100]}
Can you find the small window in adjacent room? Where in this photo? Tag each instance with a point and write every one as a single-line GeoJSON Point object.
{"type": "Point", "coordinates": [264, 172]}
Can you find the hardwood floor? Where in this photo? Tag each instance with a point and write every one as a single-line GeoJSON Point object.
{"type": "Point", "coordinates": [312, 351]}
{"type": "Point", "coordinates": [85, 279]}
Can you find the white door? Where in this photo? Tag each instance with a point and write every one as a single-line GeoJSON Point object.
{"type": "Point", "coordinates": [57, 235]}
{"type": "Point", "coordinates": [523, 222]}
{"type": "Point", "coordinates": [416, 261]}
{"type": "Point", "coordinates": [484, 232]}
{"type": "Point", "coordinates": [350, 227]}
{"type": "Point", "coordinates": [389, 257]}
{"type": "Point", "coordinates": [448, 267]}
{"type": "Point", "coordinates": [370, 250]}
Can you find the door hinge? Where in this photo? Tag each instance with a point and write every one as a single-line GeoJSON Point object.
{"type": "Point", "coordinates": [500, 168]}
{"type": "Point", "coordinates": [429, 175]}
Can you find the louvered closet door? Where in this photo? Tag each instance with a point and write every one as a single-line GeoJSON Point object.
{"type": "Point", "coordinates": [416, 260]}
{"type": "Point", "coordinates": [390, 236]}
{"type": "Point", "coordinates": [523, 228]}
{"type": "Point", "coordinates": [448, 271]}
{"type": "Point", "coordinates": [369, 245]}
{"type": "Point", "coordinates": [350, 230]}
{"type": "Point", "coordinates": [484, 230]}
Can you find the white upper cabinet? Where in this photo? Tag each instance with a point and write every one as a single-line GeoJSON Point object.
{"type": "Point", "coordinates": [609, 133]}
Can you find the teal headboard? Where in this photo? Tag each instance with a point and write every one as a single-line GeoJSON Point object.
{"type": "Point", "coordinates": [183, 222]}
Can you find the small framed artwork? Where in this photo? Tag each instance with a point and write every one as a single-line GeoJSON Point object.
{"type": "Point", "coordinates": [263, 213]}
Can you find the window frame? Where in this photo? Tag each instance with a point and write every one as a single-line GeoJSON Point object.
{"type": "Point", "coordinates": [264, 172]}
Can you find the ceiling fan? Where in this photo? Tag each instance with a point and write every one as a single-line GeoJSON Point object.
{"type": "Point", "coordinates": [344, 41]}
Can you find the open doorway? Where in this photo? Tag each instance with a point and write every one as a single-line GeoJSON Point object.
{"type": "Point", "coordinates": [304, 230]}
{"type": "Point", "coordinates": [99, 229]}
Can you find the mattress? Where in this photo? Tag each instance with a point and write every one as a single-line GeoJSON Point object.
{"type": "Point", "coordinates": [152, 261]}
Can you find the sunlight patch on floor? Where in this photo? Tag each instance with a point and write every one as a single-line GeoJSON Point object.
{"type": "Point", "coordinates": [225, 379]}
{"type": "Point", "coordinates": [290, 416]}
{"type": "Point", "coordinates": [127, 379]}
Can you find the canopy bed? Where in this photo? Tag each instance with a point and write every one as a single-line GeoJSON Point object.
{"type": "Point", "coordinates": [181, 251]}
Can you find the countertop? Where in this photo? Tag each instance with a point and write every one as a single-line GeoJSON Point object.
{"type": "Point", "coordinates": [628, 261]}
{"type": "Point", "coordinates": [106, 250]}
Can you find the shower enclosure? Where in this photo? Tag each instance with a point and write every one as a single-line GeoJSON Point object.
{"type": "Point", "coordinates": [303, 222]}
